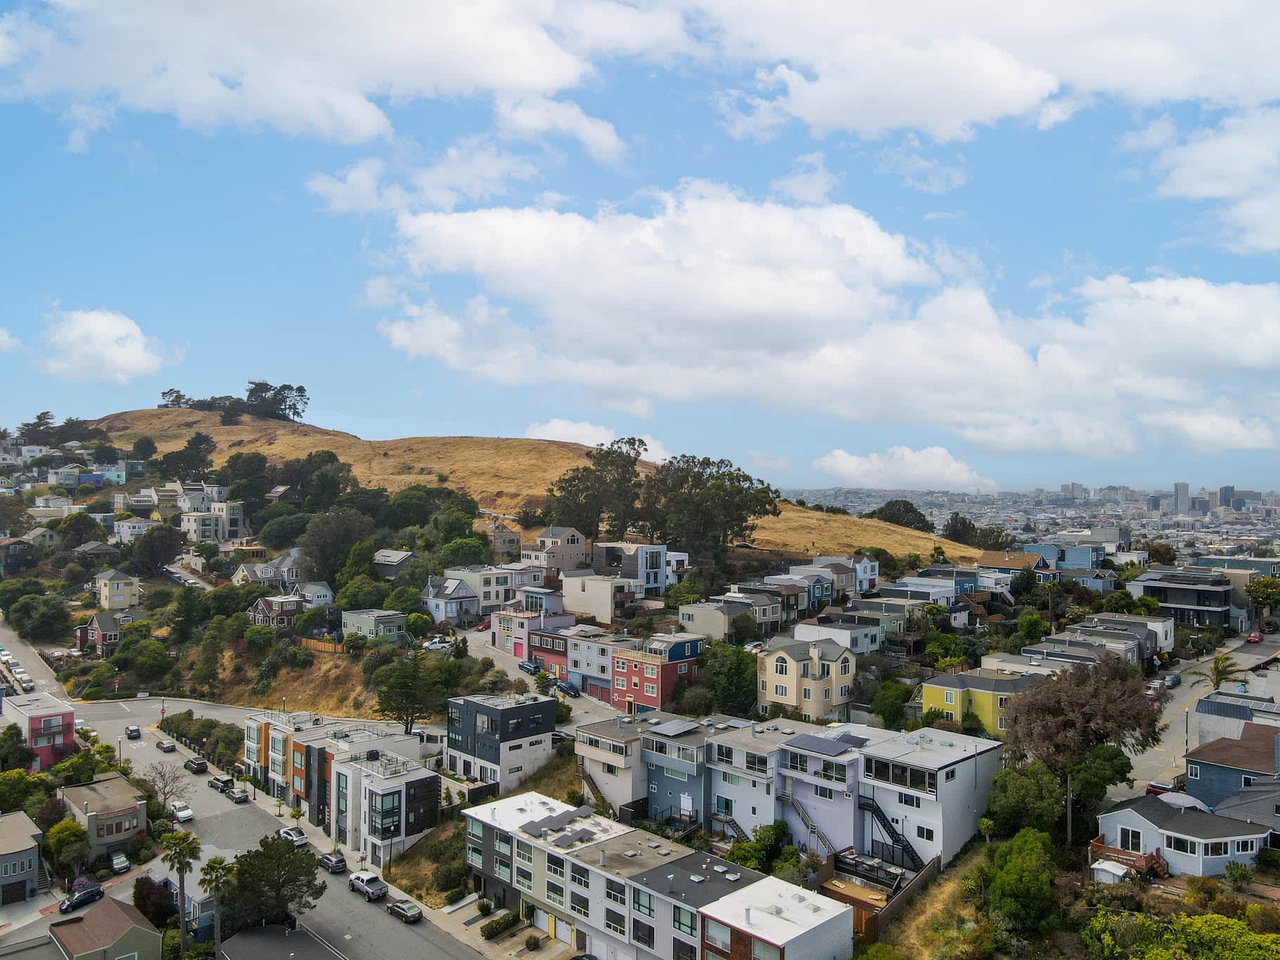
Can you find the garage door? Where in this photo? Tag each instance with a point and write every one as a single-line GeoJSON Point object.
{"type": "Point", "coordinates": [540, 920]}
{"type": "Point", "coordinates": [13, 892]}
{"type": "Point", "coordinates": [564, 930]}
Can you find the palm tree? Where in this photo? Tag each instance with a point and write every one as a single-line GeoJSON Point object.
{"type": "Point", "coordinates": [1222, 670]}
{"type": "Point", "coordinates": [217, 876]}
{"type": "Point", "coordinates": [543, 682]}
{"type": "Point", "coordinates": [180, 851]}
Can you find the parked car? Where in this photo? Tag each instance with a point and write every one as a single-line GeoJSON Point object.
{"type": "Point", "coordinates": [530, 667]}
{"type": "Point", "coordinates": [27, 684]}
{"type": "Point", "coordinates": [1154, 687]}
{"type": "Point", "coordinates": [294, 835]}
{"type": "Point", "coordinates": [238, 795]}
{"type": "Point", "coordinates": [559, 736]}
{"type": "Point", "coordinates": [368, 883]}
{"type": "Point", "coordinates": [437, 643]}
{"type": "Point", "coordinates": [405, 910]}
{"type": "Point", "coordinates": [119, 863]}
{"type": "Point", "coordinates": [334, 862]}
{"type": "Point", "coordinates": [166, 746]}
{"type": "Point", "coordinates": [182, 813]}
{"type": "Point", "coordinates": [80, 725]}
{"type": "Point", "coordinates": [133, 732]}
{"type": "Point", "coordinates": [81, 897]}
{"type": "Point", "coordinates": [1254, 637]}
{"type": "Point", "coordinates": [755, 646]}
{"type": "Point", "coordinates": [1177, 785]}
{"type": "Point", "coordinates": [568, 689]}
{"type": "Point", "coordinates": [221, 783]}
{"type": "Point", "coordinates": [1172, 680]}
{"type": "Point", "coordinates": [196, 764]}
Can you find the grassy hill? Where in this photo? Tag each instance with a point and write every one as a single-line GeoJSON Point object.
{"type": "Point", "coordinates": [503, 474]}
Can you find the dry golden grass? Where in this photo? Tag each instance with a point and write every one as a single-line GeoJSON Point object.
{"type": "Point", "coordinates": [811, 531]}
{"type": "Point", "coordinates": [412, 871]}
{"type": "Point", "coordinates": [333, 686]}
{"type": "Point", "coordinates": [928, 919]}
{"type": "Point", "coordinates": [503, 474]}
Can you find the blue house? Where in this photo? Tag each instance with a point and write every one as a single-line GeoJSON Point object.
{"type": "Point", "coordinates": [1163, 835]}
{"type": "Point", "coordinates": [1222, 768]}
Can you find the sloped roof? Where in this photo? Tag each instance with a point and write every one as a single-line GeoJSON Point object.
{"type": "Point", "coordinates": [1187, 821]}
{"type": "Point", "coordinates": [98, 927]}
{"type": "Point", "coordinates": [1254, 750]}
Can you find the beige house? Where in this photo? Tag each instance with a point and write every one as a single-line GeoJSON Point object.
{"type": "Point", "coordinates": [110, 809]}
{"type": "Point", "coordinates": [604, 598]}
{"type": "Point", "coordinates": [812, 677]}
{"type": "Point", "coordinates": [109, 930]}
{"type": "Point", "coordinates": [558, 548]}
{"type": "Point", "coordinates": [117, 591]}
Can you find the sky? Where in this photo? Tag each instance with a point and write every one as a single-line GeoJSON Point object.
{"type": "Point", "coordinates": [967, 246]}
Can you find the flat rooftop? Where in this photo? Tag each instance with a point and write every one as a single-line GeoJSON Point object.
{"type": "Point", "coordinates": [765, 737]}
{"type": "Point", "coordinates": [776, 911]}
{"type": "Point", "coordinates": [630, 853]}
{"type": "Point", "coordinates": [929, 750]}
{"type": "Point", "coordinates": [529, 814]}
{"type": "Point", "coordinates": [697, 879]}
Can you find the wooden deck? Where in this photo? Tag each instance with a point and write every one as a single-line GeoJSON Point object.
{"type": "Point", "coordinates": [1141, 862]}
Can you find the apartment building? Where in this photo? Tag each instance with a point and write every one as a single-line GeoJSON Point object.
{"type": "Point", "coordinates": [494, 586]}
{"type": "Point", "coordinates": [865, 571]}
{"type": "Point", "coordinates": [499, 740]}
{"type": "Point", "coordinates": [764, 608]}
{"type": "Point", "coordinates": [591, 652]}
{"type": "Point", "coordinates": [47, 725]}
{"type": "Point", "coordinates": [217, 521]}
{"type": "Point", "coordinates": [645, 562]}
{"type": "Point", "coordinates": [645, 676]}
{"type": "Point", "coordinates": [606, 599]}
{"type": "Point", "coordinates": [769, 920]}
{"type": "Point", "coordinates": [819, 588]}
{"type": "Point", "coordinates": [1193, 599]}
{"type": "Point", "coordinates": [382, 803]}
{"type": "Point", "coordinates": [674, 751]}
{"type": "Point", "coordinates": [792, 598]}
{"type": "Point", "coordinates": [813, 678]}
{"type": "Point", "coordinates": [860, 635]}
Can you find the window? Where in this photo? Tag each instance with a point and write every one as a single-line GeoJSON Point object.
{"type": "Point", "coordinates": [524, 851]}
{"type": "Point", "coordinates": [909, 800]}
{"type": "Point", "coordinates": [555, 894]}
{"type": "Point", "coordinates": [846, 667]}
{"type": "Point", "coordinates": [555, 866]}
{"type": "Point", "coordinates": [716, 934]}
{"type": "Point", "coordinates": [779, 690]}
{"type": "Point", "coordinates": [682, 951]}
{"type": "Point", "coordinates": [620, 682]}
{"type": "Point", "coordinates": [797, 762]}
{"type": "Point", "coordinates": [724, 754]}
{"type": "Point", "coordinates": [824, 793]}
{"type": "Point", "coordinates": [502, 869]}
{"type": "Point", "coordinates": [474, 856]}
{"type": "Point", "coordinates": [1181, 844]}
{"type": "Point", "coordinates": [732, 779]}
{"type": "Point", "coordinates": [757, 763]}
{"type": "Point", "coordinates": [808, 694]}
{"type": "Point", "coordinates": [579, 904]}
{"type": "Point", "coordinates": [524, 879]}
{"type": "Point", "coordinates": [578, 874]}
{"type": "Point", "coordinates": [614, 921]}
{"type": "Point", "coordinates": [619, 666]}
{"type": "Point", "coordinates": [650, 671]}
{"type": "Point", "coordinates": [502, 843]}
{"type": "Point", "coordinates": [642, 933]}
{"type": "Point", "coordinates": [1130, 840]}
{"type": "Point", "coordinates": [1217, 848]}
{"type": "Point", "coordinates": [763, 951]}
{"type": "Point", "coordinates": [950, 696]}
{"type": "Point", "coordinates": [650, 689]}
{"type": "Point", "coordinates": [683, 668]}
{"type": "Point", "coordinates": [1000, 723]}
{"type": "Point", "coordinates": [1193, 771]}
{"type": "Point", "coordinates": [616, 891]}
{"type": "Point", "coordinates": [1246, 780]}
{"type": "Point", "coordinates": [686, 921]}
{"type": "Point", "coordinates": [951, 775]}
{"type": "Point", "coordinates": [925, 833]}
{"type": "Point", "coordinates": [780, 666]}
{"type": "Point", "coordinates": [642, 901]}
{"type": "Point", "coordinates": [1246, 846]}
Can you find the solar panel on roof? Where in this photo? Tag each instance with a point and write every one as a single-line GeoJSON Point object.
{"type": "Point", "coordinates": [820, 745]}
{"type": "Point", "coordinates": [674, 728]}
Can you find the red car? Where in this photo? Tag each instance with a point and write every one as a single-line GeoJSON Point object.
{"type": "Point", "coordinates": [1254, 637]}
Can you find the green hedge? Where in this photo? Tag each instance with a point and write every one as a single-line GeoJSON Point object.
{"type": "Point", "coordinates": [499, 925]}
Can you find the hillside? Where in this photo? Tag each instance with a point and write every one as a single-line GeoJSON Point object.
{"type": "Point", "coordinates": [503, 474]}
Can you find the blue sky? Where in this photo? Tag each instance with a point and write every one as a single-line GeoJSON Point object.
{"type": "Point", "coordinates": [922, 247]}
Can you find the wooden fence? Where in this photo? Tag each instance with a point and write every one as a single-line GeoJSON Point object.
{"type": "Point", "coordinates": [322, 646]}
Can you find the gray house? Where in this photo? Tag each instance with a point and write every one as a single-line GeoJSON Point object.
{"type": "Point", "coordinates": [1165, 835]}
{"type": "Point", "coordinates": [1222, 768]}
{"type": "Point", "coordinates": [1258, 804]}
{"type": "Point", "coordinates": [22, 874]}
{"type": "Point", "coordinates": [376, 623]}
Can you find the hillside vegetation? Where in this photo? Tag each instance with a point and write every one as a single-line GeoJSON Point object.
{"type": "Point", "coordinates": [503, 474]}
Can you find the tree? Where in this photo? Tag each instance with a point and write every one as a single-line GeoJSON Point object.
{"type": "Point", "coordinates": [1142, 936]}
{"type": "Point", "coordinates": [40, 618]}
{"type": "Point", "coordinates": [888, 702]}
{"type": "Point", "coordinates": [170, 783]}
{"type": "Point", "coordinates": [404, 696]}
{"type": "Point", "coordinates": [276, 882]}
{"type": "Point", "coordinates": [960, 529]}
{"type": "Point", "coordinates": [80, 528]}
{"type": "Point", "coordinates": [733, 678]}
{"type": "Point", "coordinates": [1222, 669]}
{"type": "Point", "coordinates": [1022, 882]}
{"type": "Point", "coordinates": [543, 682]}
{"type": "Point", "coordinates": [179, 852]}
{"type": "Point", "coordinates": [464, 552]}
{"type": "Point", "coordinates": [1029, 796]}
{"type": "Point", "coordinates": [420, 624]}
{"type": "Point", "coordinates": [688, 590]}
{"type": "Point", "coordinates": [14, 752]}
{"type": "Point", "coordinates": [156, 549]}
{"type": "Point", "coordinates": [53, 810]}
{"type": "Point", "coordinates": [1160, 552]}
{"type": "Point", "coordinates": [63, 835]}
{"type": "Point", "coordinates": [1264, 592]}
{"type": "Point", "coordinates": [702, 505]}
{"type": "Point", "coordinates": [362, 593]}
{"type": "Point", "coordinates": [284, 531]}
{"type": "Point", "coordinates": [192, 460]}
{"type": "Point", "coordinates": [1023, 584]}
{"type": "Point", "coordinates": [144, 448]}
{"type": "Point", "coordinates": [218, 878]}
{"type": "Point", "coordinates": [328, 539]}
{"type": "Point", "coordinates": [902, 513]}
{"type": "Point", "coordinates": [259, 638]}
{"type": "Point", "coordinates": [153, 900]}
{"type": "Point", "coordinates": [1046, 721]}
{"type": "Point", "coordinates": [11, 591]}
{"type": "Point", "coordinates": [15, 787]}
{"type": "Point", "coordinates": [1031, 629]}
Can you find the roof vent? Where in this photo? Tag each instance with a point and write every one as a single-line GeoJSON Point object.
{"type": "Point", "coordinates": [696, 878]}
{"type": "Point", "coordinates": [720, 868]}
{"type": "Point", "coordinates": [733, 877]}
{"type": "Point", "coordinates": [631, 853]}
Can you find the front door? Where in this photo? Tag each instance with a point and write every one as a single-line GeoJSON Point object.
{"type": "Point", "coordinates": [686, 805]}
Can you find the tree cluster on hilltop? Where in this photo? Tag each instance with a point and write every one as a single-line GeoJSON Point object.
{"type": "Point", "coordinates": [261, 399]}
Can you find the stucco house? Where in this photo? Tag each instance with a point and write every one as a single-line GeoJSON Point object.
{"type": "Point", "coordinates": [1170, 835]}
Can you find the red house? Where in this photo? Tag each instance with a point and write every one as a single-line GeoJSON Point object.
{"type": "Point", "coordinates": [47, 724]}
{"type": "Point", "coordinates": [551, 649]}
{"type": "Point", "coordinates": [644, 678]}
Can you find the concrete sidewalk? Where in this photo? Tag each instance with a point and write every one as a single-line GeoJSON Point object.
{"type": "Point", "coordinates": [464, 925]}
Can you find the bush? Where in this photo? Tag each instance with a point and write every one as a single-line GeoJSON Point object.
{"type": "Point", "coordinates": [1238, 876]}
{"type": "Point", "coordinates": [450, 874]}
{"type": "Point", "coordinates": [1202, 891]}
{"type": "Point", "coordinates": [499, 925]}
{"type": "Point", "coordinates": [1262, 918]}
{"type": "Point", "coordinates": [485, 906]}
{"type": "Point", "coordinates": [454, 895]}
{"type": "Point", "coordinates": [533, 942]}
{"type": "Point", "coordinates": [1268, 859]}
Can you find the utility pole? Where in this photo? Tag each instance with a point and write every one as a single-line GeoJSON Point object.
{"type": "Point", "coordinates": [1068, 808]}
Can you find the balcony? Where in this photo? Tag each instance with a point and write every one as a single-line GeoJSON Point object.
{"type": "Point", "coordinates": [1141, 862]}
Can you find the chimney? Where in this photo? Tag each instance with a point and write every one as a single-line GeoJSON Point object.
{"type": "Point", "coordinates": [747, 915]}
{"type": "Point", "coordinates": [86, 808]}
{"type": "Point", "coordinates": [602, 858]}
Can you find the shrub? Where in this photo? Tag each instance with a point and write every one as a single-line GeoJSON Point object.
{"type": "Point", "coordinates": [485, 906]}
{"type": "Point", "coordinates": [499, 925]}
{"type": "Point", "coordinates": [453, 896]}
{"type": "Point", "coordinates": [449, 874]}
{"type": "Point", "coordinates": [1238, 876]}
{"type": "Point", "coordinates": [1268, 859]}
{"type": "Point", "coordinates": [1202, 891]}
{"type": "Point", "coordinates": [533, 942]}
{"type": "Point", "coordinates": [1262, 918]}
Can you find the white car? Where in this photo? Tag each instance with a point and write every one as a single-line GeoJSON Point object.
{"type": "Point", "coordinates": [437, 643]}
{"type": "Point", "coordinates": [294, 835]}
{"type": "Point", "coordinates": [182, 813]}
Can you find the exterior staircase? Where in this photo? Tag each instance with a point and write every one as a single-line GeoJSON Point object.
{"type": "Point", "coordinates": [898, 841]}
{"type": "Point", "coordinates": [597, 794]}
{"type": "Point", "coordinates": [43, 883]}
{"type": "Point", "coordinates": [731, 826]}
{"type": "Point", "coordinates": [827, 846]}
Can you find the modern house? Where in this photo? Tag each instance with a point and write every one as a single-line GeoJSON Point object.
{"type": "Point", "coordinates": [375, 624]}
{"type": "Point", "coordinates": [645, 562]}
{"type": "Point", "coordinates": [111, 810]}
{"type": "Point", "coordinates": [494, 586]}
{"type": "Point", "coordinates": [532, 608]}
{"type": "Point", "coordinates": [770, 920]}
{"type": "Point", "coordinates": [109, 930]}
{"type": "Point", "coordinates": [984, 693]}
{"type": "Point", "coordinates": [388, 563]}
{"type": "Point", "coordinates": [1194, 599]}
{"type": "Point", "coordinates": [1164, 835]}
{"type": "Point", "coordinates": [714, 619]}
{"type": "Point", "coordinates": [449, 600]}
{"type": "Point", "coordinates": [812, 678]}
{"type": "Point", "coordinates": [500, 740]}
{"type": "Point", "coordinates": [606, 599]}
{"type": "Point", "coordinates": [645, 677]}
{"type": "Point", "coordinates": [383, 803]}
{"type": "Point", "coordinates": [117, 591]}
{"type": "Point", "coordinates": [47, 725]}
{"type": "Point", "coordinates": [860, 635]}
{"type": "Point", "coordinates": [1222, 768]}
{"type": "Point", "coordinates": [22, 873]}
{"type": "Point", "coordinates": [610, 765]}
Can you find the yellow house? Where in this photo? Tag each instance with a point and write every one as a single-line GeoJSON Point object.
{"type": "Point", "coordinates": [116, 590]}
{"type": "Point", "coordinates": [814, 678]}
{"type": "Point", "coordinates": [984, 693]}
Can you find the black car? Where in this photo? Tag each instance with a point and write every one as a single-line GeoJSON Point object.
{"type": "Point", "coordinates": [568, 689]}
{"type": "Point", "coordinates": [405, 910]}
{"type": "Point", "coordinates": [238, 795]}
{"type": "Point", "coordinates": [197, 764]}
{"type": "Point", "coordinates": [334, 862]}
{"type": "Point", "coordinates": [531, 667]}
{"type": "Point", "coordinates": [133, 732]}
{"type": "Point", "coordinates": [559, 736]}
{"type": "Point", "coordinates": [222, 783]}
{"type": "Point", "coordinates": [79, 898]}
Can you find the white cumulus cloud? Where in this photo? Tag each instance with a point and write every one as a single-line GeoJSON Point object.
{"type": "Point", "coordinates": [930, 468]}
{"type": "Point", "coordinates": [99, 345]}
{"type": "Point", "coordinates": [808, 182]}
{"type": "Point", "coordinates": [590, 435]}
{"type": "Point", "coordinates": [7, 341]}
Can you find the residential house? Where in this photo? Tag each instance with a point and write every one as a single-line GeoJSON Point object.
{"type": "Point", "coordinates": [1263, 566]}
{"type": "Point", "coordinates": [449, 600]}
{"type": "Point", "coordinates": [591, 652]}
{"type": "Point", "coordinates": [1165, 835]}
{"type": "Point", "coordinates": [606, 599]}
{"type": "Point", "coordinates": [764, 608]}
{"type": "Point", "coordinates": [812, 678]}
{"type": "Point", "coordinates": [109, 930]}
{"type": "Point", "coordinates": [557, 549]}
{"type": "Point", "coordinates": [388, 563]}
{"type": "Point", "coordinates": [770, 919]}
{"type": "Point", "coordinates": [42, 538]}
{"type": "Point", "coordinates": [792, 598]}
{"type": "Point", "coordinates": [645, 677]}
{"type": "Point", "coordinates": [1194, 599]}
{"type": "Point", "coordinates": [376, 623]}
{"type": "Point", "coordinates": [16, 557]}
{"type": "Point", "coordinates": [1096, 579]}
{"type": "Point", "coordinates": [533, 608]}
{"type": "Point", "coordinates": [645, 562]}
{"type": "Point", "coordinates": [115, 590]}
{"type": "Point", "coordinates": [111, 809]}
{"type": "Point", "coordinates": [199, 903]}
{"type": "Point", "coordinates": [67, 475]}
{"type": "Point", "coordinates": [866, 572]}
{"type": "Point", "coordinates": [964, 580]}
{"type": "Point", "coordinates": [281, 573]}
{"type": "Point", "coordinates": [674, 752]}
{"type": "Point", "coordinates": [819, 588]}
{"type": "Point", "coordinates": [22, 873]}
{"type": "Point", "coordinates": [1223, 713]}
{"type": "Point", "coordinates": [1012, 562]}
{"type": "Point", "coordinates": [610, 765]}
{"type": "Point", "coordinates": [314, 593]}
{"type": "Point", "coordinates": [983, 693]}
{"type": "Point", "coordinates": [278, 613]}
{"type": "Point", "coordinates": [1222, 768]}
{"type": "Point", "coordinates": [500, 740]}
{"type": "Point", "coordinates": [383, 803]}
{"type": "Point", "coordinates": [129, 530]}
{"type": "Point", "coordinates": [861, 635]}
{"type": "Point", "coordinates": [496, 585]}
{"type": "Point", "coordinates": [284, 494]}
{"type": "Point", "coordinates": [1260, 804]}
{"type": "Point", "coordinates": [47, 724]}
{"type": "Point", "coordinates": [714, 619]}
{"type": "Point", "coordinates": [678, 566]}
{"type": "Point", "coordinates": [550, 650]}
{"type": "Point", "coordinates": [95, 552]}
{"type": "Point", "coordinates": [101, 632]}
{"type": "Point", "coordinates": [504, 540]}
